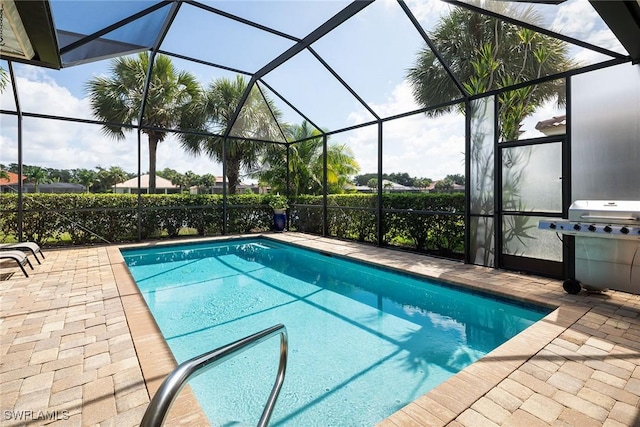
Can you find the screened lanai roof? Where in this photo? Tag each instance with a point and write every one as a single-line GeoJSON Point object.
{"type": "Point", "coordinates": [309, 57]}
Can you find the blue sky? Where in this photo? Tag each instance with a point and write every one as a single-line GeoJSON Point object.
{"type": "Point", "coordinates": [371, 52]}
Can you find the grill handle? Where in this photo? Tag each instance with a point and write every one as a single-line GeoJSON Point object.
{"type": "Point", "coordinates": [611, 218]}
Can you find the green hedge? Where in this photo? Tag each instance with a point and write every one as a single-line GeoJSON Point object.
{"type": "Point", "coordinates": [114, 217]}
{"type": "Point", "coordinates": [429, 223]}
{"type": "Point", "coordinates": [425, 222]}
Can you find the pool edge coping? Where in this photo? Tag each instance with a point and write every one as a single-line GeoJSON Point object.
{"type": "Point", "coordinates": [154, 355]}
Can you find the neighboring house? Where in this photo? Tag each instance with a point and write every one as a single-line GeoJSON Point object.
{"type": "Point", "coordinates": [54, 187]}
{"type": "Point", "coordinates": [457, 188]}
{"type": "Point", "coordinates": [163, 186]}
{"type": "Point", "coordinates": [10, 185]}
{"type": "Point", "coordinates": [387, 187]}
{"type": "Point", "coordinates": [217, 188]}
{"type": "Point", "coordinates": [553, 126]}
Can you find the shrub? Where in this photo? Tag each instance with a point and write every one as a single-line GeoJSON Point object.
{"type": "Point", "coordinates": [430, 223]}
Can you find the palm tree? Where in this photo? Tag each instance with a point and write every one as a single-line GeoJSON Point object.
{"type": "Point", "coordinates": [172, 175]}
{"type": "Point", "coordinates": [373, 184]}
{"type": "Point", "coordinates": [108, 178]}
{"type": "Point", "coordinates": [4, 79]}
{"type": "Point", "coordinates": [487, 53]}
{"type": "Point", "coordinates": [444, 186]}
{"type": "Point", "coordinates": [208, 181]}
{"type": "Point", "coordinates": [215, 113]}
{"type": "Point", "coordinates": [85, 177]}
{"type": "Point", "coordinates": [118, 99]}
{"type": "Point", "coordinates": [37, 175]}
{"type": "Point", "coordinates": [306, 164]}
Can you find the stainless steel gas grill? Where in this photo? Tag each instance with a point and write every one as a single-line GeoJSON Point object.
{"type": "Point", "coordinates": [607, 244]}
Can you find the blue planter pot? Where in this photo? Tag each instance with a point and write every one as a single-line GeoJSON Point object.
{"type": "Point", "coordinates": [279, 219]}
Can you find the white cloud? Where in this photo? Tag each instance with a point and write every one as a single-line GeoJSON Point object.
{"type": "Point", "coordinates": [428, 12]}
{"type": "Point", "coordinates": [418, 145]}
{"type": "Point", "coordinates": [577, 19]}
{"type": "Point", "coordinates": [68, 145]}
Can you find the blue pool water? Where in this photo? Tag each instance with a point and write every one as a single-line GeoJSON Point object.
{"type": "Point", "coordinates": [363, 341]}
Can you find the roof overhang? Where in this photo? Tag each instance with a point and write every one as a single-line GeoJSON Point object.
{"type": "Point", "coordinates": [29, 34]}
{"type": "Point", "coordinates": [623, 18]}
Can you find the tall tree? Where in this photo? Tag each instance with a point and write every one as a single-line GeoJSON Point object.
{"type": "Point", "coordinates": [172, 175]}
{"type": "Point", "coordinates": [86, 177]}
{"type": "Point", "coordinates": [37, 175]}
{"type": "Point", "coordinates": [306, 164]}
{"type": "Point", "coordinates": [61, 175]}
{"type": "Point", "coordinates": [208, 181]}
{"type": "Point", "coordinates": [487, 53]}
{"type": "Point", "coordinates": [455, 178]}
{"type": "Point", "coordinates": [255, 123]}
{"type": "Point", "coordinates": [4, 79]}
{"type": "Point", "coordinates": [108, 178]}
{"type": "Point", "coordinates": [117, 99]}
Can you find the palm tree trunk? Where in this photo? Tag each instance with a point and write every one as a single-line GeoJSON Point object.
{"type": "Point", "coordinates": [153, 148]}
{"type": "Point", "coordinates": [233, 174]}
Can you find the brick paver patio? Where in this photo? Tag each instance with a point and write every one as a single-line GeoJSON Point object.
{"type": "Point", "coordinates": [78, 347]}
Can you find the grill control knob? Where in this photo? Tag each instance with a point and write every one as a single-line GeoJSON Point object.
{"type": "Point", "coordinates": [577, 227]}
{"type": "Point", "coordinates": [591, 228]}
{"type": "Point", "coordinates": [624, 230]}
{"type": "Point", "coordinates": [607, 229]}
{"type": "Point", "coordinates": [552, 226]}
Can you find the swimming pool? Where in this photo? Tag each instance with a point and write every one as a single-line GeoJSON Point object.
{"type": "Point", "coordinates": [364, 341]}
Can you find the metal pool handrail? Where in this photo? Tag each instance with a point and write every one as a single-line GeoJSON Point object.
{"type": "Point", "coordinates": [177, 379]}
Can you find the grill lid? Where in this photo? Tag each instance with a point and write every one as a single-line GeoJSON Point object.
{"type": "Point", "coordinates": [621, 212]}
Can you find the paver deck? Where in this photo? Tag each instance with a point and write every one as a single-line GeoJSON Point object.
{"type": "Point", "coordinates": [79, 347]}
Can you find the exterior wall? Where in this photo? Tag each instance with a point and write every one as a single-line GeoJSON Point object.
{"type": "Point", "coordinates": [605, 134]}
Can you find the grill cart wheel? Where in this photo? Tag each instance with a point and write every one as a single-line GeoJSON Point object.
{"type": "Point", "coordinates": [572, 286]}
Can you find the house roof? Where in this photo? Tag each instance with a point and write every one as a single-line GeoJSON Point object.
{"type": "Point", "coordinates": [57, 185]}
{"type": "Point", "coordinates": [553, 122]}
{"type": "Point", "coordinates": [455, 186]}
{"type": "Point", "coordinates": [386, 184]}
{"type": "Point", "coordinates": [144, 183]}
{"type": "Point", "coordinates": [13, 179]}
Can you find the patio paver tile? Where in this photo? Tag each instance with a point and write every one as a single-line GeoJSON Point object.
{"type": "Point", "coordinates": [40, 357]}
{"type": "Point", "coordinates": [566, 382]}
{"type": "Point", "coordinates": [504, 399]}
{"type": "Point", "coordinates": [522, 418]}
{"type": "Point", "coordinates": [572, 417]}
{"type": "Point", "coordinates": [37, 382]}
{"type": "Point", "coordinates": [98, 401]}
{"type": "Point", "coordinates": [533, 383]}
{"type": "Point", "coordinates": [610, 422]}
{"type": "Point", "coordinates": [472, 418]}
{"type": "Point", "coordinates": [577, 370]}
{"type": "Point", "coordinates": [491, 410]}
{"type": "Point", "coordinates": [596, 397]}
{"type": "Point", "coordinates": [542, 407]}
{"type": "Point", "coordinates": [607, 378]}
{"type": "Point", "coordinates": [625, 413]}
{"type": "Point", "coordinates": [66, 396]}
{"type": "Point", "coordinates": [583, 406]}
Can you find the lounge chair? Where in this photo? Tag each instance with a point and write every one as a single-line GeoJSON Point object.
{"type": "Point", "coordinates": [24, 246]}
{"type": "Point", "coordinates": [19, 257]}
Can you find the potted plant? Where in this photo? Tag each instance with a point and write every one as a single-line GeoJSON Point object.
{"type": "Point", "coordinates": [279, 204]}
